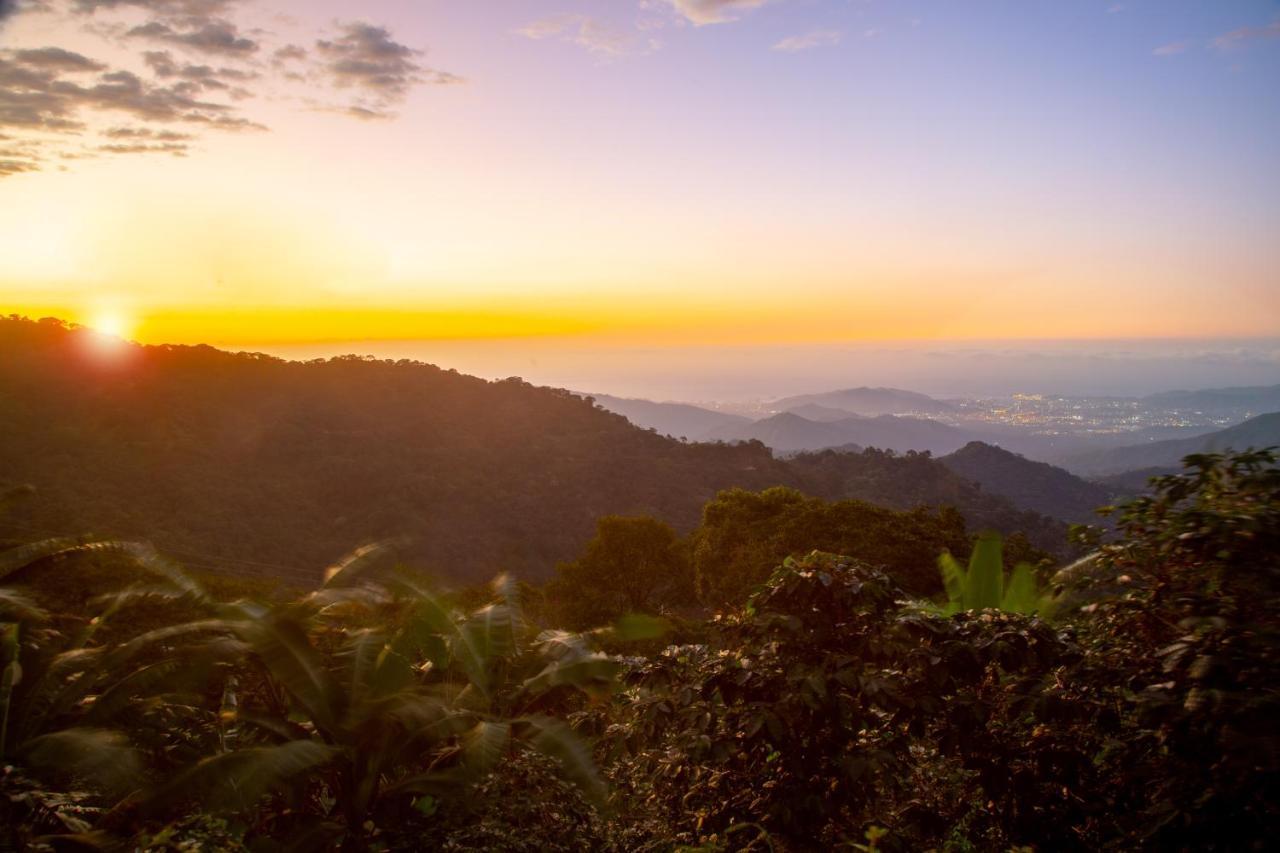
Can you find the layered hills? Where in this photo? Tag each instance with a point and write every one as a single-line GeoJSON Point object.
{"type": "Point", "coordinates": [276, 466]}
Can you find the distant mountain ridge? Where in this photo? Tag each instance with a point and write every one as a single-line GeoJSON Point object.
{"type": "Point", "coordinates": [789, 432]}
{"type": "Point", "coordinates": [678, 420]}
{"type": "Point", "coordinates": [868, 402]}
{"type": "Point", "coordinates": [1261, 431]}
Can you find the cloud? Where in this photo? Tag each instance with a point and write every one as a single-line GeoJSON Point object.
{"type": "Point", "coordinates": [146, 133]}
{"type": "Point", "coordinates": [713, 11]}
{"type": "Point", "coordinates": [17, 167]}
{"type": "Point", "coordinates": [57, 59]}
{"type": "Point", "coordinates": [289, 53]}
{"type": "Point", "coordinates": [177, 149]}
{"type": "Point", "coordinates": [366, 58]}
{"type": "Point", "coordinates": [214, 36]}
{"type": "Point", "coordinates": [1116, 8]}
{"type": "Point", "coordinates": [193, 78]}
{"type": "Point", "coordinates": [187, 8]}
{"type": "Point", "coordinates": [202, 67]}
{"type": "Point", "coordinates": [808, 41]}
{"type": "Point", "coordinates": [1171, 49]}
{"type": "Point", "coordinates": [1237, 38]}
{"type": "Point", "coordinates": [591, 34]}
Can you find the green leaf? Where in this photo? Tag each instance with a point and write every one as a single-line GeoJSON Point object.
{"type": "Point", "coordinates": [986, 573]}
{"type": "Point", "coordinates": [364, 559]}
{"type": "Point", "coordinates": [237, 780]}
{"type": "Point", "coordinates": [1023, 594]}
{"type": "Point", "coordinates": [555, 739]}
{"type": "Point", "coordinates": [99, 756]}
{"type": "Point", "coordinates": [484, 745]}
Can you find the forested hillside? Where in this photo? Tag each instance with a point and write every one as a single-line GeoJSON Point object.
{"type": "Point", "coordinates": [1034, 485]}
{"type": "Point", "coordinates": [275, 466]}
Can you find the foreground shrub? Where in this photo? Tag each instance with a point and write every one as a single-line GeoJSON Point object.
{"type": "Point", "coordinates": [815, 706]}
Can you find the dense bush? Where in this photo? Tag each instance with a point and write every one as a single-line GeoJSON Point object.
{"type": "Point", "coordinates": [830, 709]}
{"type": "Point", "coordinates": [745, 535]}
{"type": "Point", "coordinates": [816, 707]}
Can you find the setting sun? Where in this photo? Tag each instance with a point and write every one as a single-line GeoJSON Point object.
{"type": "Point", "coordinates": [114, 323]}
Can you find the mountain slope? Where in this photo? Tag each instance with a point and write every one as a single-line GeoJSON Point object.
{"type": "Point", "coordinates": [1262, 431]}
{"type": "Point", "coordinates": [789, 432]}
{"type": "Point", "coordinates": [1034, 485]}
{"type": "Point", "coordinates": [278, 467]}
{"type": "Point", "coordinates": [868, 401]}
{"type": "Point", "coordinates": [678, 420]}
{"type": "Point", "coordinates": [260, 460]}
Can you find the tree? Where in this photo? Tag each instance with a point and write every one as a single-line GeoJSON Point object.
{"type": "Point", "coordinates": [745, 535]}
{"type": "Point", "coordinates": [633, 565]}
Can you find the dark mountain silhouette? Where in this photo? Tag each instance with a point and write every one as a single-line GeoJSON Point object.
{"type": "Point", "coordinates": [678, 420]}
{"type": "Point", "coordinates": [869, 401]}
{"type": "Point", "coordinates": [906, 480]}
{"type": "Point", "coordinates": [789, 432]}
{"type": "Point", "coordinates": [821, 414]}
{"type": "Point", "coordinates": [1034, 485]}
{"type": "Point", "coordinates": [1259, 432]}
{"type": "Point", "coordinates": [276, 466]}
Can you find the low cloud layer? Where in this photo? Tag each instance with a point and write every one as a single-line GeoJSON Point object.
{"type": "Point", "coordinates": [197, 69]}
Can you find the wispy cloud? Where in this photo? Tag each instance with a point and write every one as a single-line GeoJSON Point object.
{"type": "Point", "coordinates": [1237, 38]}
{"type": "Point", "coordinates": [213, 36]}
{"type": "Point", "coordinates": [365, 58]}
{"type": "Point", "coordinates": [590, 34]}
{"type": "Point", "coordinates": [713, 11]}
{"type": "Point", "coordinates": [808, 41]}
{"type": "Point", "coordinates": [1171, 49]}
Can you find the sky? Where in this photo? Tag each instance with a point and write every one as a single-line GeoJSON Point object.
{"type": "Point", "coordinates": [643, 176]}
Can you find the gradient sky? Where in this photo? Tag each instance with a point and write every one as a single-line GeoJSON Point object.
{"type": "Point", "coordinates": [656, 172]}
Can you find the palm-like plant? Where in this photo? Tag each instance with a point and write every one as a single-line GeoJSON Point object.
{"type": "Point", "coordinates": [983, 585]}
{"type": "Point", "coordinates": [349, 716]}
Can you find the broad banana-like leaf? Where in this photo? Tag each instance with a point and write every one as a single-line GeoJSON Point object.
{"type": "Point", "coordinates": [557, 645]}
{"type": "Point", "coordinates": [494, 630]}
{"type": "Point", "coordinates": [285, 650]}
{"type": "Point", "coordinates": [1022, 595]}
{"type": "Point", "coordinates": [592, 674]}
{"type": "Point", "coordinates": [117, 697]}
{"type": "Point", "coordinates": [237, 780]}
{"type": "Point", "coordinates": [361, 659]}
{"type": "Point", "coordinates": [508, 590]}
{"type": "Point", "coordinates": [17, 607]}
{"type": "Point", "coordinates": [18, 558]}
{"type": "Point", "coordinates": [484, 745]}
{"type": "Point", "coordinates": [555, 739]}
{"type": "Point", "coordinates": [955, 580]}
{"type": "Point", "coordinates": [986, 573]}
{"type": "Point", "coordinates": [634, 627]}
{"type": "Point", "coordinates": [358, 562]}
{"type": "Point", "coordinates": [101, 757]}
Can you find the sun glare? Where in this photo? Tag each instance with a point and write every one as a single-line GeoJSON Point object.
{"type": "Point", "coordinates": [113, 323]}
